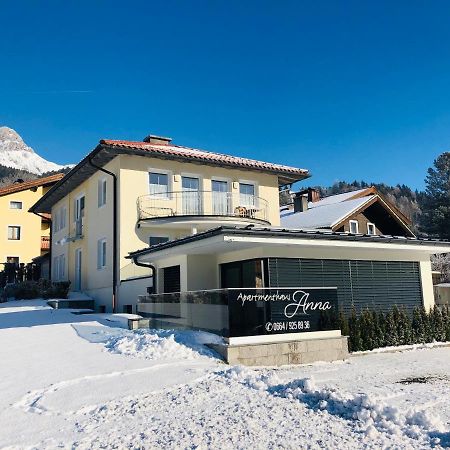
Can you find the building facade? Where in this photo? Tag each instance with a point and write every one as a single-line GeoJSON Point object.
{"type": "Point", "coordinates": [24, 236]}
{"type": "Point", "coordinates": [125, 195]}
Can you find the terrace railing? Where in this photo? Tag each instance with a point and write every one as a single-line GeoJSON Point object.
{"type": "Point", "coordinates": [202, 203]}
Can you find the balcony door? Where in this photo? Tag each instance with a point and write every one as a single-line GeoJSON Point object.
{"type": "Point", "coordinates": [220, 198]}
{"type": "Point", "coordinates": [190, 196]}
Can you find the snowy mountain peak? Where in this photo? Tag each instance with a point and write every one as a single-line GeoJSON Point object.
{"type": "Point", "coordinates": [10, 140]}
{"type": "Point", "coordinates": [15, 153]}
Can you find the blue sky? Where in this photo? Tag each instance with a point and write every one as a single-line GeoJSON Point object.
{"type": "Point", "coordinates": [348, 89]}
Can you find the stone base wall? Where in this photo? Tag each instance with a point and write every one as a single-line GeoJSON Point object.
{"type": "Point", "coordinates": [282, 353]}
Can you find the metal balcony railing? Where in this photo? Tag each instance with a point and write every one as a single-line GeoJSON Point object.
{"type": "Point", "coordinates": [202, 203]}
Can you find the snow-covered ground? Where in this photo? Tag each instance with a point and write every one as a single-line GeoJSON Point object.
{"type": "Point", "coordinates": [83, 381]}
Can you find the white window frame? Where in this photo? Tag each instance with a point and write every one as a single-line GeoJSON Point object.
{"type": "Point", "coordinates": [16, 202]}
{"type": "Point", "coordinates": [62, 218]}
{"type": "Point", "coordinates": [101, 254]}
{"type": "Point", "coordinates": [357, 226]}
{"type": "Point", "coordinates": [20, 232]}
{"type": "Point", "coordinates": [76, 200]}
{"type": "Point", "coordinates": [169, 174]}
{"type": "Point", "coordinates": [256, 189]}
{"type": "Point", "coordinates": [55, 220]}
{"type": "Point", "coordinates": [59, 267]}
{"type": "Point", "coordinates": [369, 225]}
{"type": "Point", "coordinates": [102, 192]}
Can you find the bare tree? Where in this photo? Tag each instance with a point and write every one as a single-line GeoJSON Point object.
{"type": "Point", "coordinates": [441, 263]}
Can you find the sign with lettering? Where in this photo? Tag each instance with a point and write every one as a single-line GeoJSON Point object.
{"type": "Point", "coordinates": [263, 311]}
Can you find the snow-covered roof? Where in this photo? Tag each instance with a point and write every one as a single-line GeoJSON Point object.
{"type": "Point", "coordinates": [338, 198]}
{"type": "Point", "coordinates": [325, 216]}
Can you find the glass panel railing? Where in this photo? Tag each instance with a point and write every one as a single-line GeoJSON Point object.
{"type": "Point", "coordinates": [245, 311]}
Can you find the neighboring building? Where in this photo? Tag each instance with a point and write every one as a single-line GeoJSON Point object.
{"type": "Point", "coordinates": [442, 294]}
{"type": "Point", "coordinates": [24, 236]}
{"type": "Point", "coordinates": [152, 192]}
{"type": "Point", "coordinates": [358, 212]}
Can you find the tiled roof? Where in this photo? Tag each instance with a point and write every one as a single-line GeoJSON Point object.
{"type": "Point", "coordinates": [18, 187]}
{"type": "Point", "coordinates": [203, 155]}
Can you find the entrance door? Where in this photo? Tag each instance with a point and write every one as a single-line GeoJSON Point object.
{"type": "Point", "coordinates": [190, 196]}
{"type": "Point", "coordinates": [78, 259]}
{"type": "Point", "coordinates": [220, 200]}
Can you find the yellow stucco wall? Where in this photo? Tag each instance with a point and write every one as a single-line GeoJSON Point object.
{"type": "Point", "coordinates": [32, 228]}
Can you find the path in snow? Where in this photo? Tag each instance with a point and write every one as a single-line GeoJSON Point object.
{"type": "Point", "coordinates": [73, 381]}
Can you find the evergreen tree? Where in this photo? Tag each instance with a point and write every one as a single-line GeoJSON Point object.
{"type": "Point", "coordinates": [391, 334]}
{"type": "Point", "coordinates": [435, 201]}
{"type": "Point", "coordinates": [418, 326]}
{"type": "Point", "coordinates": [355, 342]}
{"type": "Point", "coordinates": [438, 326]}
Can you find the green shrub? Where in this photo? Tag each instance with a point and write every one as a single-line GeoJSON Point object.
{"type": "Point", "coordinates": [57, 290]}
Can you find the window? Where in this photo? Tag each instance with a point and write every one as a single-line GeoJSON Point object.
{"type": "Point", "coordinates": [101, 193]}
{"type": "Point", "coordinates": [15, 205]}
{"type": "Point", "coordinates": [354, 227]}
{"type": "Point", "coordinates": [220, 197]}
{"type": "Point", "coordinates": [247, 194]}
{"type": "Point", "coordinates": [13, 259]}
{"type": "Point", "coordinates": [155, 240]}
{"type": "Point", "coordinates": [159, 184]}
{"type": "Point", "coordinates": [14, 233]}
{"type": "Point", "coordinates": [59, 267]}
{"type": "Point", "coordinates": [371, 229]}
{"type": "Point", "coordinates": [62, 218]}
{"type": "Point", "coordinates": [59, 221]}
{"type": "Point", "coordinates": [101, 254]}
{"type": "Point", "coordinates": [79, 215]}
{"type": "Point", "coordinates": [171, 276]}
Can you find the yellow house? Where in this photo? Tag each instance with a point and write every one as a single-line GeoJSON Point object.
{"type": "Point", "coordinates": [125, 195]}
{"type": "Point", "coordinates": [23, 235]}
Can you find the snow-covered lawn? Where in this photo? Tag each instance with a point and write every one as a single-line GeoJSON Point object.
{"type": "Point", "coordinates": [83, 381]}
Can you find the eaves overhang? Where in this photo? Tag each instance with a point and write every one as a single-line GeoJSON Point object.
{"type": "Point", "coordinates": [290, 236]}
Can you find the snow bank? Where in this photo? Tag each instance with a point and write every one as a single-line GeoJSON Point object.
{"type": "Point", "coordinates": [163, 344]}
{"type": "Point", "coordinates": [370, 415]}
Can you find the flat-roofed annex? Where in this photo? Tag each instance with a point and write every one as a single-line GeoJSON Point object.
{"type": "Point", "coordinates": [108, 149]}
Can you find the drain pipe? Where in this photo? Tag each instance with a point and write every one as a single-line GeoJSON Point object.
{"type": "Point", "coordinates": [49, 243]}
{"type": "Point", "coordinates": [115, 240]}
{"type": "Point", "coordinates": [149, 266]}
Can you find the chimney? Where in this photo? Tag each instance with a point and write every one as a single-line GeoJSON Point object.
{"type": "Point", "coordinates": [313, 195]}
{"type": "Point", "coordinates": [157, 140]}
{"type": "Point", "coordinates": [300, 202]}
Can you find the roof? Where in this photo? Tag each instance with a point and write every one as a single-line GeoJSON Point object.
{"type": "Point", "coordinates": [108, 149]}
{"type": "Point", "coordinates": [18, 187]}
{"type": "Point", "coordinates": [338, 198]}
{"type": "Point", "coordinates": [330, 211]}
{"type": "Point", "coordinates": [291, 233]}
{"type": "Point", "coordinates": [325, 216]}
{"type": "Point", "coordinates": [193, 154]}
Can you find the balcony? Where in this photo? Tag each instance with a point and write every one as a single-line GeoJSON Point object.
{"type": "Point", "coordinates": [202, 206]}
{"type": "Point", "coordinates": [45, 243]}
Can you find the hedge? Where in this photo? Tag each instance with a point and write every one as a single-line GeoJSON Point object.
{"type": "Point", "coordinates": [27, 290]}
{"type": "Point", "coordinates": [373, 329]}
